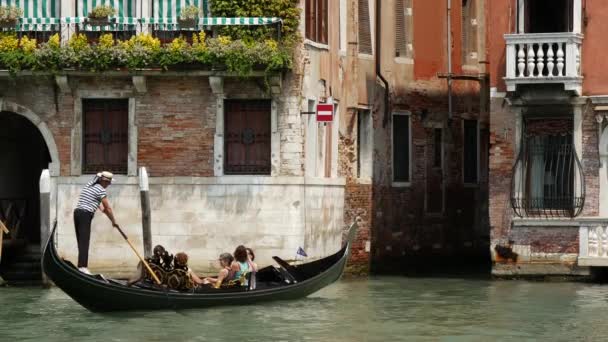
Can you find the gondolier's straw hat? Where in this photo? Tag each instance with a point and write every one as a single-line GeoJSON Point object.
{"type": "Point", "coordinates": [105, 175]}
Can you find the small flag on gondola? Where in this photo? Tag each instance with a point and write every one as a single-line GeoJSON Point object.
{"type": "Point", "coordinates": [301, 252]}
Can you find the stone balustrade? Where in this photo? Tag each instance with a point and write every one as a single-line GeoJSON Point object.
{"type": "Point", "coordinates": [593, 242]}
{"type": "Point", "coordinates": [542, 58]}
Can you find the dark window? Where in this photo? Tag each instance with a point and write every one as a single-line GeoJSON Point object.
{"type": "Point", "coordinates": [437, 146]}
{"type": "Point", "coordinates": [106, 127]}
{"type": "Point", "coordinates": [546, 16]}
{"type": "Point", "coordinates": [365, 33]}
{"type": "Point", "coordinates": [316, 20]}
{"type": "Point", "coordinates": [364, 153]}
{"type": "Point", "coordinates": [471, 152]}
{"type": "Point", "coordinates": [401, 148]}
{"type": "Point", "coordinates": [247, 134]}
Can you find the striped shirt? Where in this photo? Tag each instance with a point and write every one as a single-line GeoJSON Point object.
{"type": "Point", "coordinates": [91, 196]}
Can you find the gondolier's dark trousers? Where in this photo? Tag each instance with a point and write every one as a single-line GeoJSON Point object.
{"type": "Point", "coordinates": [82, 222]}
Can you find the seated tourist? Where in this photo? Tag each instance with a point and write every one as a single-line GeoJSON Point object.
{"type": "Point", "coordinates": [252, 266]}
{"type": "Point", "coordinates": [160, 261]}
{"type": "Point", "coordinates": [240, 266]}
{"type": "Point", "coordinates": [225, 262]}
{"type": "Point", "coordinates": [181, 262]}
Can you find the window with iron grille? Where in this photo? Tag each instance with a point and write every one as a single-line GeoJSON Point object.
{"type": "Point", "coordinates": [316, 20]}
{"type": "Point", "coordinates": [247, 137]}
{"type": "Point", "coordinates": [471, 151]}
{"type": "Point", "coordinates": [106, 127]}
{"type": "Point", "coordinates": [548, 178]}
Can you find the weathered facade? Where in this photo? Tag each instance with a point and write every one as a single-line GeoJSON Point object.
{"type": "Point", "coordinates": [406, 153]}
{"type": "Point", "coordinates": [547, 176]}
{"type": "Point", "coordinates": [413, 153]}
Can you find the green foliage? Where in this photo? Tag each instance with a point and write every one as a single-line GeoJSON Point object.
{"type": "Point", "coordinates": [287, 10]}
{"type": "Point", "coordinates": [190, 12]}
{"type": "Point", "coordinates": [142, 51]}
{"type": "Point", "coordinates": [102, 11]}
{"type": "Point", "coordinates": [239, 49]}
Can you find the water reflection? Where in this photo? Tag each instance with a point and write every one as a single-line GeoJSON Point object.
{"type": "Point", "coordinates": [379, 309]}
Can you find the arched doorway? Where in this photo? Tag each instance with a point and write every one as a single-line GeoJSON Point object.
{"type": "Point", "coordinates": [23, 156]}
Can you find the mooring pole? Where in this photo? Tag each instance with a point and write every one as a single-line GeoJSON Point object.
{"type": "Point", "coordinates": [45, 215]}
{"type": "Point", "coordinates": [146, 220]}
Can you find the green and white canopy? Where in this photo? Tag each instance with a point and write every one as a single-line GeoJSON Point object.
{"type": "Point", "coordinates": [38, 15]}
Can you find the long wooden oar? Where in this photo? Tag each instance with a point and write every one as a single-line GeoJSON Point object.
{"type": "Point", "coordinates": [139, 256]}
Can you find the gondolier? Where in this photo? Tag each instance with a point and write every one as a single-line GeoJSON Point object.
{"type": "Point", "coordinates": [91, 196]}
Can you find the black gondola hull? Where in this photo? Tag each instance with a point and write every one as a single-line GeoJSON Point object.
{"type": "Point", "coordinates": [98, 295]}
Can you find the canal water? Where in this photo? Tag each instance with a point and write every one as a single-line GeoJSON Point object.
{"type": "Point", "coordinates": [378, 309]}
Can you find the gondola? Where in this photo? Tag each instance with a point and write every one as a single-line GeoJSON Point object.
{"type": "Point", "coordinates": [286, 282]}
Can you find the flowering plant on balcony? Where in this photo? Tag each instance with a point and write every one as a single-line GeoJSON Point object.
{"type": "Point", "coordinates": [142, 51]}
{"type": "Point", "coordinates": [100, 15]}
{"type": "Point", "coordinates": [189, 16]}
{"type": "Point", "coordinates": [9, 16]}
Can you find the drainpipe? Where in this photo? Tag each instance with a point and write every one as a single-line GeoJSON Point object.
{"type": "Point", "coordinates": [379, 64]}
{"type": "Point", "coordinates": [449, 51]}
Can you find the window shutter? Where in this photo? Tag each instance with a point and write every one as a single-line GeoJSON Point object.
{"type": "Point", "coordinates": [469, 32]}
{"type": "Point", "coordinates": [310, 19]}
{"type": "Point", "coordinates": [247, 137]}
{"type": "Point", "coordinates": [400, 29]}
{"type": "Point", "coordinates": [365, 35]}
{"type": "Point", "coordinates": [464, 31]}
{"type": "Point", "coordinates": [106, 138]}
{"type": "Point", "coordinates": [322, 33]}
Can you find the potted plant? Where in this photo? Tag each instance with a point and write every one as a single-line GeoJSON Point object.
{"type": "Point", "coordinates": [9, 15]}
{"type": "Point", "coordinates": [188, 17]}
{"type": "Point", "coordinates": [100, 15]}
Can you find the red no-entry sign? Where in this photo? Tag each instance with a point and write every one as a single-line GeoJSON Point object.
{"type": "Point", "coordinates": [325, 112]}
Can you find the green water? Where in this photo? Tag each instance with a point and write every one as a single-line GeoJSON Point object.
{"type": "Point", "coordinates": [379, 309]}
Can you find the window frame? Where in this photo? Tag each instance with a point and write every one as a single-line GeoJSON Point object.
{"type": "Point", "coordinates": [401, 184]}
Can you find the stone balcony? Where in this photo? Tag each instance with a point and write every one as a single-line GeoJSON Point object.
{"type": "Point", "coordinates": [544, 58]}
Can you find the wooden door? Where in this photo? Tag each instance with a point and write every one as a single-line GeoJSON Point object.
{"type": "Point", "coordinates": [247, 137]}
{"type": "Point", "coordinates": [106, 124]}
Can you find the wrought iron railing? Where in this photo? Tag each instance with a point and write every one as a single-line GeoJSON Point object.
{"type": "Point", "coordinates": [548, 178]}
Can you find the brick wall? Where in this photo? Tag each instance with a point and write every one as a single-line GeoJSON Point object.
{"type": "Point", "coordinates": [534, 249]}
{"type": "Point", "coordinates": [176, 124]}
{"type": "Point", "coordinates": [405, 237]}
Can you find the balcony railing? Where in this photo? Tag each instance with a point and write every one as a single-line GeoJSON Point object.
{"type": "Point", "coordinates": [544, 58]}
{"type": "Point", "coordinates": [593, 242]}
{"type": "Point", "coordinates": [124, 27]}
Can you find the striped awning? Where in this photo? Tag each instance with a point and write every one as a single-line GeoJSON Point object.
{"type": "Point", "coordinates": [125, 15]}
{"type": "Point", "coordinates": [38, 15]}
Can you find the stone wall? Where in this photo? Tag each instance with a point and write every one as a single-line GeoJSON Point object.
{"type": "Point", "coordinates": [207, 216]}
